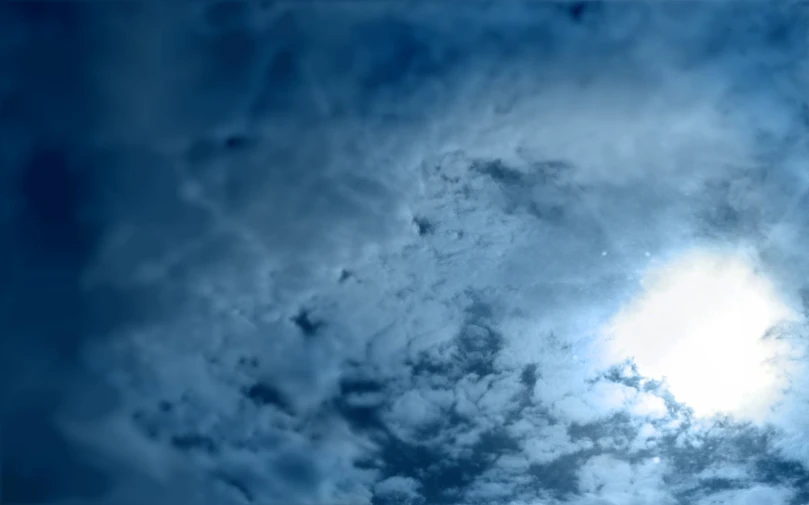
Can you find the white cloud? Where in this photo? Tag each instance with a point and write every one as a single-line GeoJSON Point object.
{"type": "Point", "coordinates": [645, 438]}
{"type": "Point", "coordinates": [756, 495]}
{"type": "Point", "coordinates": [404, 489]}
{"type": "Point", "coordinates": [544, 443]}
{"type": "Point", "coordinates": [417, 409]}
{"type": "Point", "coordinates": [597, 402]}
{"type": "Point", "coordinates": [618, 481]}
{"type": "Point", "coordinates": [648, 405]}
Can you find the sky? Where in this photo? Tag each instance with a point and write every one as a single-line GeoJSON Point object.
{"type": "Point", "coordinates": [416, 253]}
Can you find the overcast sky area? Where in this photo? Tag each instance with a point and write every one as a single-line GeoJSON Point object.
{"type": "Point", "coordinates": [363, 253]}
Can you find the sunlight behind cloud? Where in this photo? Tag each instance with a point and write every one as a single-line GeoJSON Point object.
{"type": "Point", "coordinates": [700, 323]}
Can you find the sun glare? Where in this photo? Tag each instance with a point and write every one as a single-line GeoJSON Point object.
{"type": "Point", "coordinates": [699, 323]}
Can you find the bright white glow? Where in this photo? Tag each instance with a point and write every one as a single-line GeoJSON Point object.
{"type": "Point", "coordinates": [699, 324]}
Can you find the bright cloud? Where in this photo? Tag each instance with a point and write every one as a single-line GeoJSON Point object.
{"type": "Point", "coordinates": [701, 324]}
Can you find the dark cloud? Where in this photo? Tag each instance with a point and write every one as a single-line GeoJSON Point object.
{"type": "Point", "coordinates": [264, 394]}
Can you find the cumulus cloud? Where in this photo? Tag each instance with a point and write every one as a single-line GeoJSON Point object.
{"type": "Point", "coordinates": [621, 482]}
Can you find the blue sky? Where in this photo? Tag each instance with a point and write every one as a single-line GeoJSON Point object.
{"type": "Point", "coordinates": [310, 253]}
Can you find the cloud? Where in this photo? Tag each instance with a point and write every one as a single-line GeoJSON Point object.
{"type": "Point", "coordinates": [756, 494]}
{"type": "Point", "coordinates": [398, 488]}
{"type": "Point", "coordinates": [621, 482]}
{"type": "Point", "coordinates": [358, 255]}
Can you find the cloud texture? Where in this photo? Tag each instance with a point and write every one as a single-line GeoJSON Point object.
{"type": "Point", "coordinates": [347, 253]}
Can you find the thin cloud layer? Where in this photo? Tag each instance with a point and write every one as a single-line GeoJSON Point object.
{"type": "Point", "coordinates": [363, 254]}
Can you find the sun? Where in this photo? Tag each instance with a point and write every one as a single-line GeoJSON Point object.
{"type": "Point", "coordinates": [699, 323]}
